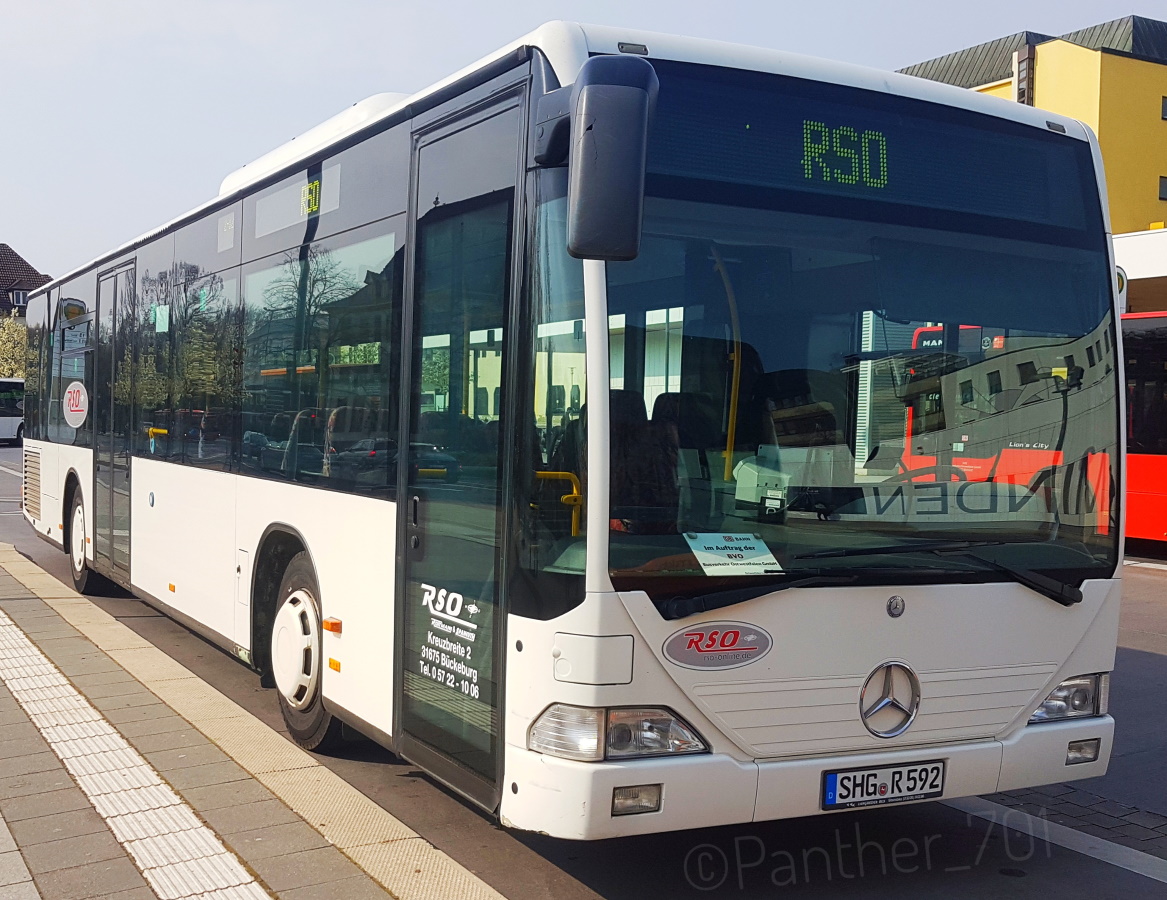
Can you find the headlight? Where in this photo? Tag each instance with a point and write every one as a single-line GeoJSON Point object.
{"type": "Point", "coordinates": [1075, 698]}
{"type": "Point", "coordinates": [649, 732]}
{"type": "Point", "coordinates": [591, 734]}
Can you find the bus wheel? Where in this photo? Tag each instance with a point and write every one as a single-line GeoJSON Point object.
{"type": "Point", "coordinates": [85, 580]}
{"type": "Point", "coordinates": [78, 569]}
{"type": "Point", "coordinates": [19, 436]}
{"type": "Point", "coordinates": [297, 660]}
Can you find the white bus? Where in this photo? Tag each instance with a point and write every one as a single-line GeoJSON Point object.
{"type": "Point", "coordinates": [684, 498]}
{"type": "Point", "coordinates": [12, 410]}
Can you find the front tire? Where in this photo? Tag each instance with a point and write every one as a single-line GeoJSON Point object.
{"type": "Point", "coordinates": [297, 659]}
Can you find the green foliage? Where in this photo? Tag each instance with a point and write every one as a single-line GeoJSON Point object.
{"type": "Point", "coordinates": [435, 370]}
{"type": "Point", "coordinates": [13, 346]}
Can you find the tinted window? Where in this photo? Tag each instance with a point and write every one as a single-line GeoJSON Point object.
{"type": "Point", "coordinates": [320, 361]}
{"type": "Point", "coordinates": [357, 186]}
{"type": "Point", "coordinates": [71, 356]}
{"type": "Point", "coordinates": [206, 394]}
{"type": "Point", "coordinates": [12, 399]}
{"type": "Point", "coordinates": [1145, 348]}
{"type": "Point", "coordinates": [213, 243]}
{"type": "Point", "coordinates": [35, 367]}
{"type": "Point", "coordinates": [772, 134]}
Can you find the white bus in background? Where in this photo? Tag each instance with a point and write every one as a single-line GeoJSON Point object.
{"type": "Point", "coordinates": [623, 525]}
{"type": "Point", "coordinates": [12, 410]}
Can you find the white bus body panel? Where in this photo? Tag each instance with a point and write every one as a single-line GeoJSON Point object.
{"type": "Point", "coordinates": [794, 713]}
{"type": "Point", "coordinates": [43, 456]}
{"type": "Point", "coordinates": [182, 539]}
{"type": "Point", "coordinates": [352, 542]}
{"type": "Point", "coordinates": [57, 461]}
{"type": "Point", "coordinates": [79, 461]}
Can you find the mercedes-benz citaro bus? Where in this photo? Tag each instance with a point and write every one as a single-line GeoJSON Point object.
{"type": "Point", "coordinates": [728, 537]}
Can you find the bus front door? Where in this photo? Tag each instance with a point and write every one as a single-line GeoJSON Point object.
{"type": "Point", "coordinates": [112, 427]}
{"type": "Point", "coordinates": [449, 652]}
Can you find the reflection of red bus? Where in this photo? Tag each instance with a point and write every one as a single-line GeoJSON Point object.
{"type": "Point", "coordinates": [959, 399]}
{"type": "Point", "coordinates": [1145, 347]}
{"type": "Point", "coordinates": [926, 412]}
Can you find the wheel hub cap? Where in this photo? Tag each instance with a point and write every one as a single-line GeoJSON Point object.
{"type": "Point", "coordinates": [77, 539]}
{"type": "Point", "coordinates": [295, 650]}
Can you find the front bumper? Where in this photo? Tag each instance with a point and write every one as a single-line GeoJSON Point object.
{"type": "Point", "coordinates": [567, 799]}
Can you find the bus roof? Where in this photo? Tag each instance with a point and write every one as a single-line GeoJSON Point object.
{"type": "Point", "coordinates": [567, 45]}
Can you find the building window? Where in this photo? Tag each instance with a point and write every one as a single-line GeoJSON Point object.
{"type": "Point", "coordinates": [20, 298]}
{"type": "Point", "coordinates": [1027, 372]}
{"type": "Point", "coordinates": [1162, 188]}
{"type": "Point", "coordinates": [994, 382]}
{"type": "Point", "coordinates": [1165, 107]}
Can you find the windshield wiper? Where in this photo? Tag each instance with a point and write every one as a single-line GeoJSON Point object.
{"type": "Point", "coordinates": [1058, 591]}
{"type": "Point", "coordinates": [683, 607]}
{"type": "Point", "coordinates": [922, 546]}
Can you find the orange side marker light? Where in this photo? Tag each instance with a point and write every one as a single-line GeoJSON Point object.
{"type": "Point", "coordinates": [332, 625]}
{"type": "Point", "coordinates": [334, 664]}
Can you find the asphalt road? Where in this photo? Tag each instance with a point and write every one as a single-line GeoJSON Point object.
{"type": "Point", "coordinates": [923, 850]}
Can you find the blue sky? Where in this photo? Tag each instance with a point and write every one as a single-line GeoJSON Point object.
{"type": "Point", "coordinates": [122, 114]}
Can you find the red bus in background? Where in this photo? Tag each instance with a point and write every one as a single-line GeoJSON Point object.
{"type": "Point", "coordinates": [1145, 347]}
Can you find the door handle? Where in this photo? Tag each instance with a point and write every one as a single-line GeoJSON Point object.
{"type": "Point", "coordinates": [414, 520]}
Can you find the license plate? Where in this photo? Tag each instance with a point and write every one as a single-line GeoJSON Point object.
{"type": "Point", "coordinates": [852, 788]}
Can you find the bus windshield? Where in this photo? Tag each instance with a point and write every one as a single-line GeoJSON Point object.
{"type": "Point", "coordinates": [858, 322]}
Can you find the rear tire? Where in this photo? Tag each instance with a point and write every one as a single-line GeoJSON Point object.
{"type": "Point", "coordinates": [297, 659]}
{"type": "Point", "coordinates": [19, 442]}
{"type": "Point", "coordinates": [84, 578]}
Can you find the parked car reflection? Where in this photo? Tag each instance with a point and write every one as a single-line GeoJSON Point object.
{"type": "Point", "coordinates": [292, 459]}
{"type": "Point", "coordinates": [374, 461]}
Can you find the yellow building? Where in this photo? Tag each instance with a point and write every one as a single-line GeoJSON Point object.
{"type": "Point", "coordinates": [1112, 76]}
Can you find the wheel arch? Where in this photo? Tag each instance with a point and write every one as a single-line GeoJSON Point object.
{"type": "Point", "coordinates": [276, 547]}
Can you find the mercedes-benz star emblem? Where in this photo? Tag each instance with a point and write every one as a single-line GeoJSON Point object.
{"type": "Point", "coordinates": [895, 606]}
{"type": "Point", "coordinates": [889, 700]}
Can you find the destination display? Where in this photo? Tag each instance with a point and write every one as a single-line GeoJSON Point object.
{"type": "Point", "coordinates": [293, 204]}
{"type": "Point", "coordinates": [785, 133]}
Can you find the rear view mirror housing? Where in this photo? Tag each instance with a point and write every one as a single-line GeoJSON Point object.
{"type": "Point", "coordinates": [612, 103]}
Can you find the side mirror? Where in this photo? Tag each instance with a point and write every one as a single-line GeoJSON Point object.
{"type": "Point", "coordinates": [612, 103]}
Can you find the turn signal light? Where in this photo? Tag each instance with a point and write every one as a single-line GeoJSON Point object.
{"type": "Point", "coordinates": [332, 625]}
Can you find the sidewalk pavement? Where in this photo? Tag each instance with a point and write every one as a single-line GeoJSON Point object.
{"type": "Point", "coordinates": [123, 775]}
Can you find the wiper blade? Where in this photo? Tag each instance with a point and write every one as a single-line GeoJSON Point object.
{"type": "Point", "coordinates": [1058, 591]}
{"type": "Point", "coordinates": [683, 607]}
{"type": "Point", "coordinates": [920, 547]}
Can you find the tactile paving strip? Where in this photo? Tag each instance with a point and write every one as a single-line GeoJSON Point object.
{"type": "Point", "coordinates": [178, 855]}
